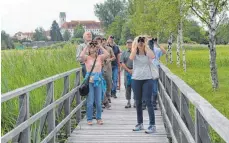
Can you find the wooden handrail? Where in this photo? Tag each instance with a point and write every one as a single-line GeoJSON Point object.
{"type": "Point", "coordinates": [205, 113]}
{"type": "Point", "coordinates": [48, 112]}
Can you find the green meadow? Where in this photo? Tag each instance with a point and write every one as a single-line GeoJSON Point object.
{"type": "Point", "coordinates": [198, 77]}
{"type": "Point", "coordinates": [23, 67]}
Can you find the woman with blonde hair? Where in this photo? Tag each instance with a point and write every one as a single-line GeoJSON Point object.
{"type": "Point", "coordinates": [142, 81]}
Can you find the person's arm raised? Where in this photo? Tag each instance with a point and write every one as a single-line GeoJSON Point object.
{"type": "Point", "coordinates": [149, 52]}
{"type": "Point", "coordinates": [133, 51]}
{"type": "Point", "coordinates": [83, 55]}
{"type": "Point", "coordinates": [105, 53]}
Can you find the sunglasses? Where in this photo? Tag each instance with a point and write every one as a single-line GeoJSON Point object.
{"type": "Point", "coordinates": [141, 39]}
{"type": "Point", "coordinates": [154, 39]}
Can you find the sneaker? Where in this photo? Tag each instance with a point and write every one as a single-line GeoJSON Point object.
{"type": "Point", "coordinates": [109, 100]}
{"type": "Point", "coordinates": [138, 127]}
{"type": "Point", "coordinates": [155, 107]}
{"type": "Point", "coordinates": [134, 104]}
{"type": "Point", "coordinates": [115, 96]}
{"type": "Point", "coordinates": [151, 129]}
{"type": "Point", "coordinates": [128, 105]}
{"type": "Point", "coordinates": [89, 122]}
{"type": "Point", "coordinates": [143, 107]}
{"type": "Point", "coordinates": [103, 106]}
{"type": "Point", "coordinates": [100, 122]}
{"type": "Point", "coordinates": [108, 107]}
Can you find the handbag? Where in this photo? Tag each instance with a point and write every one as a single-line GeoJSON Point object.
{"type": "Point", "coordinates": [154, 71]}
{"type": "Point", "coordinates": [84, 87]}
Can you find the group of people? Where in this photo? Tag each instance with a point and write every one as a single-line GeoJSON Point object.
{"type": "Point", "coordinates": [105, 57]}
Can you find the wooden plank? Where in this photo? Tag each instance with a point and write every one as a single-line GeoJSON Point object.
{"type": "Point", "coordinates": [20, 91]}
{"type": "Point", "coordinates": [78, 101]}
{"type": "Point", "coordinates": [219, 123]}
{"type": "Point", "coordinates": [178, 118]}
{"type": "Point", "coordinates": [62, 123]}
{"type": "Point", "coordinates": [35, 117]}
{"type": "Point", "coordinates": [66, 90]}
{"type": "Point", "coordinates": [51, 113]}
{"type": "Point", "coordinates": [168, 122]}
{"type": "Point", "coordinates": [23, 115]}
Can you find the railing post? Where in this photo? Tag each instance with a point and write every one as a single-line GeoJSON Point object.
{"type": "Point", "coordinates": [67, 105]}
{"type": "Point", "coordinates": [78, 97]}
{"type": "Point", "coordinates": [51, 113]}
{"type": "Point", "coordinates": [197, 137]}
{"type": "Point", "coordinates": [23, 137]}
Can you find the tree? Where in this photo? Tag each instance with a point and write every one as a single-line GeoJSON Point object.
{"type": "Point", "coordinates": [39, 35]}
{"type": "Point", "coordinates": [222, 36]}
{"type": "Point", "coordinates": [67, 35]}
{"type": "Point", "coordinates": [115, 28]}
{"type": "Point", "coordinates": [78, 31]}
{"type": "Point", "coordinates": [208, 13]}
{"type": "Point", "coordinates": [6, 41]}
{"type": "Point", "coordinates": [126, 33]}
{"type": "Point", "coordinates": [107, 11]}
{"type": "Point", "coordinates": [55, 32]}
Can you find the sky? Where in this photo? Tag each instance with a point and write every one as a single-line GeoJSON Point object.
{"type": "Point", "coordinates": [27, 15]}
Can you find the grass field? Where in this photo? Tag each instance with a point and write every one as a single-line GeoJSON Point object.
{"type": "Point", "coordinates": [23, 67]}
{"type": "Point", "coordinates": [198, 76]}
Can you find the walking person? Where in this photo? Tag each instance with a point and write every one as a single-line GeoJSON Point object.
{"type": "Point", "coordinates": [127, 65]}
{"type": "Point", "coordinates": [87, 36]}
{"type": "Point", "coordinates": [115, 65]}
{"type": "Point", "coordinates": [96, 79]}
{"type": "Point", "coordinates": [142, 81]}
{"type": "Point", "coordinates": [158, 52]}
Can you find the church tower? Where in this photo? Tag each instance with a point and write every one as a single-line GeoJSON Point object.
{"type": "Point", "coordinates": [62, 18]}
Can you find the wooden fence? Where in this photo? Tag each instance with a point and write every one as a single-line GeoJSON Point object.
{"type": "Point", "coordinates": [189, 117]}
{"type": "Point", "coordinates": [50, 112]}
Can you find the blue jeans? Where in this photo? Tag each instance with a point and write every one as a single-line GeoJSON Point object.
{"type": "Point", "coordinates": [142, 91]}
{"type": "Point", "coordinates": [95, 94]}
{"type": "Point", "coordinates": [155, 92]}
{"type": "Point", "coordinates": [114, 79]}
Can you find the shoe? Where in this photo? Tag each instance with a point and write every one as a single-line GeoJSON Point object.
{"type": "Point", "coordinates": [103, 106]}
{"type": "Point", "coordinates": [108, 107]}
{"type": "Point", "coordinates": [138, 127]}
{"type": "Point", "coordinates": [115, 96]}
{"type": "Point", "coordinates": [89, 122]}
{"type": "Point", "coordinates": [151, 129]}
{"type": "Point", "coordinates": [143, 107]}
{"type": "Point", "coordinates": [134, 104]}
{"type": "Point", "coordinates": [128, 106]}
{"type": "Point", "coordinates": [109, 100]}
{"type": "Point", "coordinates": [155, 107]}
{"type": "Point", "coordinates": [100, 122]}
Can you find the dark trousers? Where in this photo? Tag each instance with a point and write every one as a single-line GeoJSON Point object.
{"type": "Point", "coordinates": [84, 71]}
{"type": "Point", "coordinates": [143, 91]}
{"type": "Point", "coordinates": [127, 87]}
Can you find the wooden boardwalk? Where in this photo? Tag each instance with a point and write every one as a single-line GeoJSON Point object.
{"type": "Point", "coordinates": [118, 125]}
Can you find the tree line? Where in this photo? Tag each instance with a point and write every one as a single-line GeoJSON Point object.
{"type": "Point", "coordinates": [168, 20]}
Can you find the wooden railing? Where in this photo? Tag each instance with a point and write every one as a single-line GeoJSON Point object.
{"type": "Point", "coordinates": [21, 133]}
{"type": "Point", "coordinates": [188, 116]}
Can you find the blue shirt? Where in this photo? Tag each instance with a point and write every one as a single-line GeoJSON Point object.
{"type": "Point", "coordinates": [158, 53]}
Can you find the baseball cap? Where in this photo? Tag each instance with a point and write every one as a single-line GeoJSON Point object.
{"type": "Point", "coordinates": [129, 41]}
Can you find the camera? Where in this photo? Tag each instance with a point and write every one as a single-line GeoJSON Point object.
{"type": "Point", "coordinates": [141, 39]}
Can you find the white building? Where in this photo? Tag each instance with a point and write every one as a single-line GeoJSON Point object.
{"type": "Point", "coordinates": [92, 26]}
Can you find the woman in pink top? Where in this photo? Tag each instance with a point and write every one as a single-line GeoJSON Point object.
{"type": "Point", "coordinates": [96, 79]}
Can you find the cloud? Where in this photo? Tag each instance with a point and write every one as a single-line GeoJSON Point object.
{"type": "Point", "coordinates": [27, 15]}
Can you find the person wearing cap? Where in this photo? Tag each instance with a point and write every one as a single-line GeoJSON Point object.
{"type": "Point", "coordinates": [127, 65]}
{"type": "Point", "coordinates": [114, 64]}
{"type": "Point", "coordinates": [87, 36]}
